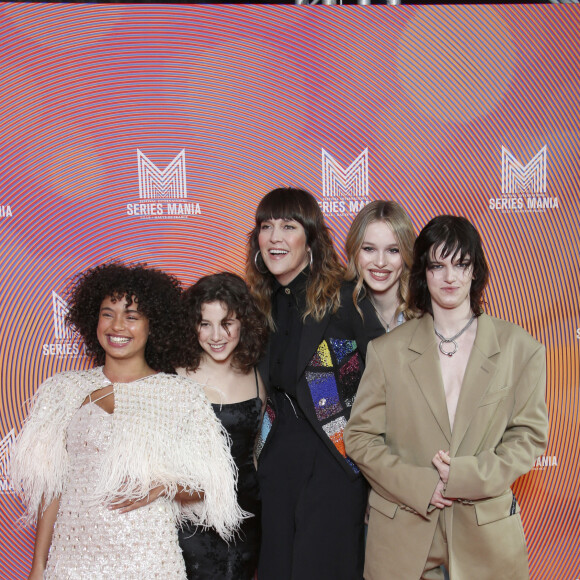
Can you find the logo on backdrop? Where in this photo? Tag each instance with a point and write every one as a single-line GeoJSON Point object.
{"type": "Point", "coordinates": [59, 311]}
{"type": "Point", "coordinates": [5, 448]}
{"type": "Point", "coordinates": [162, 193]}
{"type": "Point", "coordinates": [344, 191]}
{"type": "Point", "coordinates": [66, 341]}
{"type": "Point", "coordinates": [524, 187]}
{"type": "Point", "coordinates": [5, 211]}
{"type": "Point", "coordinates": [544, 462]}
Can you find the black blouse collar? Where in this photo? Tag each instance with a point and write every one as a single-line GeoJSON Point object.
{"type": "Point", "coordinates": [297, 286]}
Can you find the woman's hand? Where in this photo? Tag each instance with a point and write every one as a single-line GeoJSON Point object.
{"type": "Point", "coordinates": [185, 497]}
{"type": "Point", "coordinates": [438, 499]}
{"type": "Point", "coordinates": [442, 461]}
{"type": "Point", "coordinates": [129, 505]}
{"type": "Point", "coordinates": [155, 493]}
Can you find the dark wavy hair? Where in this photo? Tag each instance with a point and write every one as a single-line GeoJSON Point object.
{"type": "Point", "coordinates": [156, 294]}
{"type": "Point", "coordinates": [458, 238]}
{"type": "Point", "coordinates": [326, 272]}
{"type": "Point", "coordinates": [232, 292]}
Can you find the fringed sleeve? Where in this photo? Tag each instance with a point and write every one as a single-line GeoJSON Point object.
{"type": "Point", "coordinates": [217, 471]}
{"type": "Point", "coordinates": [39, 461]}
{"type": "Point", "coordinates": [166, 433]}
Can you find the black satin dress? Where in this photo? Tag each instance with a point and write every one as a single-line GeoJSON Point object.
{"type": "Point", "coordinates": [206, 555]}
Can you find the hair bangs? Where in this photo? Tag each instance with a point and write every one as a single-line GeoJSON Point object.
{"type": "Point", "coordinates": [279, 205]}
{"type": "Point", "coordinates": [451, 242]}
{"type": "Point", "coordinates": [442, 237]}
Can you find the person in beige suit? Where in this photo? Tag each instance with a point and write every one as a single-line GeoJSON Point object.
{"type": "Point", "coordinates": [449, 413]}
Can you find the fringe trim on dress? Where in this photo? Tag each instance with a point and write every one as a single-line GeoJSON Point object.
{"type": "Point", "coordinates": [164, 433]}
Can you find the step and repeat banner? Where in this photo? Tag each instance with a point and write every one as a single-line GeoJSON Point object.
{"type": "Point", "coordinates": [149, 133]}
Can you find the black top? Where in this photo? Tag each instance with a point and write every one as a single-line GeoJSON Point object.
{"type": "Point", "coordinates": [288, 305]}
{"type": "Point", "coordinates": [206, 555]}
{"type": "Point", "coordinates": [319, 363]}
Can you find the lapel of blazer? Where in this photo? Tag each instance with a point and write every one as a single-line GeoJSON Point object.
{"type": "Point", "coordinates": [426, 371]}
{"type": "Point", "coordinates": [312, 333]}
{"type": "Point", "coordinates": [479, 372]}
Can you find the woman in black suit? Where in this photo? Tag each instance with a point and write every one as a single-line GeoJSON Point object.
{"type": "Point", "coordinates": [313, 495]}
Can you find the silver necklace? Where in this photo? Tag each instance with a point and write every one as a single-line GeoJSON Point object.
{"type": "Point", "coordinates": [452, 339]}
{"type": "Point", "coordinates": [386, 324]}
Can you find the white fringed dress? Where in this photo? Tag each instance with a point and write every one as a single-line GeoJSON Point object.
{"type": "Point", "coordinates": [163, 432]}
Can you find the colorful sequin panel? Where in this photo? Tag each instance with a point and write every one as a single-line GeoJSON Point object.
{"type": "Point", "coordinates": [335, 431]}
{"type": "Point", "coordinates": [324, 391]}
{"type": "Point", "coordinates": [333, 376]}
{"type": "Point", "coordinates": [267, 422]}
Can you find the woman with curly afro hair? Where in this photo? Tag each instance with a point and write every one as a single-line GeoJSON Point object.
{"type": "Point", "coordinates": [126, 434]}
{"type": "Point", "coordinates": [225, 340]}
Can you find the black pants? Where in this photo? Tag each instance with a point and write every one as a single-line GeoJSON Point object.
{"type": "Point", "coordinates": [312, 512]}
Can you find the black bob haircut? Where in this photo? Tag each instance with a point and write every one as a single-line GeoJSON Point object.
{"type": "Point", "coordinates": [156, 294]}
{"type": "Point", "coordinates": [456, 237]}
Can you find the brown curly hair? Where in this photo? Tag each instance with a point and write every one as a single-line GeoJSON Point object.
{"type": "Point", "coordinates": [326, 272]}
{"type": "Point", "coordinates": [232, 292]}
{"type": "Point", "coordinates": [156, 294]}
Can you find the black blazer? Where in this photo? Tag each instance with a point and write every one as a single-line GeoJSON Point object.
{"type": "Point", "coordinates": [331, 357]}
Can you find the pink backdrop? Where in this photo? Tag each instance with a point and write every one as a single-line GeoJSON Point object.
{"type": "Point", "coordinates": [472, 111]}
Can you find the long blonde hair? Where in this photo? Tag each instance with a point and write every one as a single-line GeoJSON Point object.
{"type": "Point", "coordinates": [391, 213]}
{"type": "Point", "coordinates": [326, 272]}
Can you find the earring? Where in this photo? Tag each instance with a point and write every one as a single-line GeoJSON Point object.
{"type": "Point", "coordinates": [310, 250]}
{"type": "Point", "coordinates": [258, 253]}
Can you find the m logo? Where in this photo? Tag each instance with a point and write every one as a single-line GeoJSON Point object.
{"type": "Point", "coordinates": [517, 178]}
{"type": "Point", "coordinates": [155, 184]}
{"type": "Point", "coordinates": [59, 312]}
{"type": "Point", "coordinates": [5, 448]}
{"type": "Point", "coordinates": [351, 182]}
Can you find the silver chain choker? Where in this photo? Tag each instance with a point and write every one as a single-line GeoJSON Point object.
{"type": "Point", "coordinates": [452, 340]}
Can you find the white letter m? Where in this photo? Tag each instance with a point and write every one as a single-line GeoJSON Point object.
{"type": "Point", "coordinates": [59, 312]}
{"type": "Point", "coordinates": [352, 181]}
{"type": "Point", "coordinates": [515, 178]}
{"type": "Point", "coordinates": [169, 183]}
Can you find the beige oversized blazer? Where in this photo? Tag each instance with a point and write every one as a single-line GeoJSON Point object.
{"type": "Point", "coordinates": [400, 420]}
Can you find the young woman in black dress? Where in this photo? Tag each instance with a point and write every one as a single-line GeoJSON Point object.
{"type": "Point", "coordinates": [225, 341]}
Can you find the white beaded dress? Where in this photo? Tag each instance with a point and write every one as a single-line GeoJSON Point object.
{"type": "Point", "coordinates": [89, 540]}
{"type": "Point", "coordinates": [163, 432]}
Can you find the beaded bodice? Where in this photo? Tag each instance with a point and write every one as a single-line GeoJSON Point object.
{"type": "Point", "coordinates": [92, 541]}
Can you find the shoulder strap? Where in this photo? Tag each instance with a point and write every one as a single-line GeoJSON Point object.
{"type": "Point", "coordinates": [257, 385]}
{"type": "Point", "coordinates": [99, 398]}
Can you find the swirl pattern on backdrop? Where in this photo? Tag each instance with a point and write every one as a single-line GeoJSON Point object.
{"type": "Point", "coordinates": [441, 98]}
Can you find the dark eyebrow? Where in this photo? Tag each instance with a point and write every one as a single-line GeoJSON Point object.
{"type": "Point", "coordinates": [127, 310]}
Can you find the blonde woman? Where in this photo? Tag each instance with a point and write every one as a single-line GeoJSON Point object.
{"type": "Point", "coordinates": [379, 249]}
